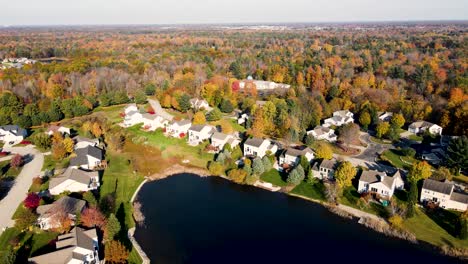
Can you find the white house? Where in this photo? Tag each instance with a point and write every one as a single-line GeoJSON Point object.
{"type": "Point", "coordinates": [199, 104]}
{"type": "Point", "coordinates": [12, 133]}
{"type": "Point", "coordinates": [444, 195]}
{"type": "Point", "coordinates": [65, 205]}
{"type": "Point", "coordinates": [83, 142]}
{"type": "Point", "coordinates": [257, 147]}
{"type": "Point", "coordinates": [130, 108]}
{"type": "Point", "coordinates": [74, 180]}
{"type": "Point", "coordinates": [242, 118]}
{"type": "Point", "coordinates": [178, 129]}
{"type": "Point", "coordinates": [87, 158]}
{"type": "Point", "coordinates": [380, 183]}
{"type": "Point", "coordinates": [339, 118]}
{"type": "Point", "coordinates": [385, 116]}
{"type": "Point", "coordinates": [263, 85]}
{"type": "Point", "coordinates": [292, 156]}
{"type": "Point", "coordinates": [218, 140]}
{"type": "Point", "coordinates": [132, 118]}
{"type": "Point", "coordinates": [153, 122]}
{"type": "Point", "coordinates": [80, 246]}
{"type": "Point", "coordinates": [421, 126]}
{"type": "Point", "coordinates": [323, 133]}
{"type": "Point", "coordinates": [325, 170]}
{"type": "Point", "coordinates": [199, 133]}
{"type": "Point", "coordinates": [61, 129]}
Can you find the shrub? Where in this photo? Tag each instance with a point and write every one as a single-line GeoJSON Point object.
{"type": "Point", "coordinates": [216, 168]}
{"type": "Point", "coordinates": [295, 177]}
{"type": "Point", "coordinates": [16, 161]}
{"type": "Point", "coordinates": [32, 200]}
{"type": "Point", "coordinates": [237, 175]}
{"type": "Point", "coordinates": [257, 166]}
{"type": "Point", "coordinates": [396, 221]}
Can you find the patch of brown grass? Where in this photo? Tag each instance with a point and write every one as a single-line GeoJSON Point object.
{"type": "Point", "coordinates": [148, 160]}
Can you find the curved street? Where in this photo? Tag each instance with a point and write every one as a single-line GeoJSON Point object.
{"type": "Point", "coordinates": [18, 192]}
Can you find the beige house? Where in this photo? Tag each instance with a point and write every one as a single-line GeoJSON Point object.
{"type": "Point", "coordinates": [80, 246]}
{"type": "Point", "coordinates": [292, 156]}
{"type": "Point", "coordinates": [421, 126]}
{"type": "Point", "coordinates": [257, 147]}
{"type": "Point", "coordinates": [218, 140]}
{"type": "Point", "coordinates": [68, 205]}
{"type": "Point", "coordinates": [339, 118]}
{"type": "Point", "coordinates": [83, 142]}
{"type": "Point", "coordinates": [74, 180]}
{"type": "Point", "coordinates": [444, 195]}
{"type": "Point", "coordinates": [12, 133]}
{"type": "Point", "coordinates": [199, 133]}
{"type": "Point", "coordinates": [323, 133]}
{"type": "Point", "coordinates": [178, 129]}
{"type": "Point", "coordinates": [61, 129]}
{"type": "Point", "coordinates": [88, 158]}
{"type": "Point", "coordinates": [380, 183]}
{"type": "Point", "coordinates": [325, 170]}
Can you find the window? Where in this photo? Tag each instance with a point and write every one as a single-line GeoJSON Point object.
{"type": "Point", "coordinates": [374, 189]}
{"type": "Point", "coordinates": [434, 199]}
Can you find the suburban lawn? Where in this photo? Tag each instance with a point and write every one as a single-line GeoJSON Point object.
{"type": "Point", "coordinates": [351, 197]}
{"type": "Point", "coordinates": [119, 179]}
{"type": "Point", "coordinates": [6, 171]}
{"type": "Point", "coordinates": [233, 122]}
{"type": "Point", "coordinates": [426, 229]}
{"type": "Point", "coordinates": [273, 176]}
{"type": "Point", "coordinates": [111, 112]}
{"type": "Point", "coordinates": [393, 156]}
{"type": "Point", "coordinates": [30, 242]}
{"type": "Point", "coordinates": [174, 147]}
{"type": "Point", "coordinates": [415, 137]}
{"type": "Point", "coordinates": [461, 178]}
{"type": "Point", "coordinates": [312, 190]}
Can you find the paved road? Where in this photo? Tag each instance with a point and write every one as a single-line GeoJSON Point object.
{"type": "Point", "coordinates": [159, 110]}
{"type": "Point", "coordinates": [20, 189]}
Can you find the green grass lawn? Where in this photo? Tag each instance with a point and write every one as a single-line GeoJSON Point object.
{"type": "Point", "coordinates": [381, 141]}
{"type": "Point", "coordinates": [426, 229]}
{"type": "Point", "coordinates": [351, 197]}
{"type": "Point", "coordinates": [119, 178]}
{"type": "Point", "coordinates": [273, 176]}
{"type": "Point", "coordinates": [234, 124]}
{"type": "Point", "coordinates": [415, 137]}
{"type": "Point", "coordinates": [393, 156]}
{"type": "Point", "coordinates": [175, 147]}
{"type": "Point", "coordinates": [314, 190]}
{"type": "Point", "coordinates": [31, 241]}
{"type": "Point", "coordinates": [461, 178]}
{"type": "Point", "coordinates": [6, 171]}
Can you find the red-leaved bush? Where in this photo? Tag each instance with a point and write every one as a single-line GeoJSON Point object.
{"type": "Point", "coordinates": [25, 142]}
{"type": "Point", "coordinates": [32, 200]}
{"type": "Point", "coordinates": [16, 161]}
{"type": "Point", "coordinates": [181, 135]}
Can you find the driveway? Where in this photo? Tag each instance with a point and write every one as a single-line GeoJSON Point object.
{"type": "Point", "coordinates": [22, 183]}
{"type": "Point", "coordinates": [373, 149]}
{"type": "Point", "coordinates": [159, 110]}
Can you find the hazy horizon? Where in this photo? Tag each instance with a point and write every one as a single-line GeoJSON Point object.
{"type": "Point", "coordinates": [164, 12]}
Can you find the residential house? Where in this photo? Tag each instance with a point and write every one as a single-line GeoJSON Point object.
{"type": "Point", "coordinates": [87, 158]}
{"type": "Point", "coordinates": [83, 142]}
{"type": "Point", "coordinates": [130, 108]}
{"type": "Point", "coordinates": [61, 129]}
{"type": "Point", "coordinates": [323, 133]}
{"type": "Point", "coordinates": [12, 133]}
{"type": "Point", "coordinates": [218, 140]}
{"type": "Point", "coordinates": [199, 104]}
{"type": "Point", "coordinates": [199, 133]}
{"type": "Point", "coordinates": [444, 195]}
{"type": "Point", "coordinates": [325, 170]}
{"type": "Point", "coordinates": [339, 118]}
{"type": "Point", "coordinates": [80, 246]}
{"type": "Point", "coordinates": [262, 85]}
{"type": "Point", "coordinates": [178, 129]}
{"type": "Point", "coordinates": [153, 122]}
{"type": "Point", "coordinates": [69, 206]}
{"type": "Point", "coordinates": [242, 118]}
{"type": "Point", "coordinates": [292, 156]}
{"type": "Point", "coordinates": [257, 147]}
{"type": "Point", "coordinates": [133, 118]}
{"type": "Point", "coordinates": [421, 126]}
{"type": "Point", "coordinates": [74, 180]}
{"type": "Point", "coordinates": [435, 156]}
{"type": "Point", "coordinates": [380, 183]}
{"type": "Point", "coordinates": [385, 116]}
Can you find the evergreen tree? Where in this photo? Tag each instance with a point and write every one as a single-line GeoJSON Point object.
{"type": "Point", "coordinates": [112, 227]}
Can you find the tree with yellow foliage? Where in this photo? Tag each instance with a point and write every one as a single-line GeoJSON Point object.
{"type": "Point", "coordinates": [96, 129]}
{"type": "Point", "coordinates": [199, 118]}
{"type": "Point", "coordinates": [68, 144]}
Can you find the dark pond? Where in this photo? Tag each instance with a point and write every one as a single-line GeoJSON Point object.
{"type": "Point", "coordinates": [210, 220]}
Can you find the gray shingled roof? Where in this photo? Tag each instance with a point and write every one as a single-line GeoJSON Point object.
{"type": "Point", "coordinates": [437, 186]}
{"type": "Point", "coordinates": [420, 123]}
{"type": "Point", "coordinates": [254, 142]}
{"type": "Point", "coordinates": [459, 197]}
{"type": "Point", "coordinates": [219, 136]}
{"type": "Point", "coordinates": [14, 129]}
{"type": "Point", "coordinates": [197, 128]}
{"type": "Point", "coordinates": [183, 122]}
{"type": "Point", "coordinates": [73, 174]}
{"type": "Point", "coordinates": [81, 155]}
{"type": "Point", "coordinates": [65, 244]}
{"type": "Point", "coordinates": [84, 139]}
{"type": "Point", "coordinates": [372, 176]}
{"type": "Point", "coordinates": [68, 204]}
{"type": "Point", "coordinates": [329, 164]}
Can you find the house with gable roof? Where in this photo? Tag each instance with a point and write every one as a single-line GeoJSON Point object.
{"type": "Point", "coordinates": [257, 147]}
{"type": "Point", "coordinates": [74, 180]}
{"type": "Point", "coordinates": [68, 205]}
{"type": "Point", "coordinates": [380, 183]}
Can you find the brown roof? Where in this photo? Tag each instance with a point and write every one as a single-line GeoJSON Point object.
{"type": "Point", "coordinates": [329, 164]}
{"type": "Point", "coordinates": [459, 197]}
{"type": "Point", "coordinates": [371, 176]}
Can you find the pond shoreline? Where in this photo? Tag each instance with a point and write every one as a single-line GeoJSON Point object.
{"type": "Point", "coordinates": [370, 221]}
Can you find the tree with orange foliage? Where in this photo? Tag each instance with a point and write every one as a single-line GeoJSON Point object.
{"type": "Point", "coordinates": [96, 129]}
{"type": "Point", "coordinates": [59, 220]}
{"type": "Point", "coordinates": [115, 252]}
{"type": "Point", "coordinates": [92, 217]}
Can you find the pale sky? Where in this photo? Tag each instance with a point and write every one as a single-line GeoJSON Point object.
{"type": "Point", "coordinates": [79, 12]}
